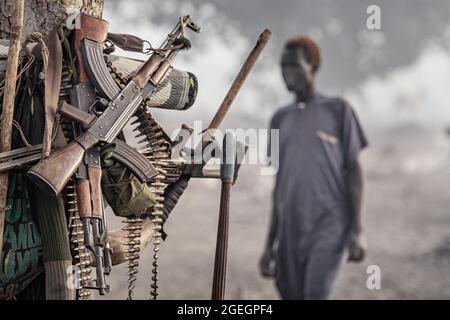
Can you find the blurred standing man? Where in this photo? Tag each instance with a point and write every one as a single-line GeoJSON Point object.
{"type": "Point", "coordinates": [318, 192]}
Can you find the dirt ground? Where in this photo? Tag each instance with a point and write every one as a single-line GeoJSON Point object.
{"type": "Point", "coordinates": [406, 219]}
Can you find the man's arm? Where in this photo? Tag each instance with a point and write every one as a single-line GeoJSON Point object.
{"type": "Point", "coordinates": [266, 263]}
{"type": "Point", "coordinates": [355, 186]}
{"type": "Point", "coordinates": [272, 231]}
{"type": "Point", "coordinates": [267, 260]}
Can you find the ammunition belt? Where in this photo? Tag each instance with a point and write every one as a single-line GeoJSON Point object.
{"type": "Point", "coordinates": [155, 145]}
{"type": "Point", "coordinates": [80, 253]}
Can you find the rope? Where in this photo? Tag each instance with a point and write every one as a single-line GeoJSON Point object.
{"type": "Point", "coordinates": [22, 135]}
{"type": "Point", "coordinates": [36, 37]}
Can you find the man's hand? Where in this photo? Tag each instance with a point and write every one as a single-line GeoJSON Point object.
{"type": "Point", "coordinates": [267, 264]}
{"type": "Point", "coordinates": [357, 248]}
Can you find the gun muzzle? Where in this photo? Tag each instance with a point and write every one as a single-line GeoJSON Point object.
{"type": "Point", "coordinates": [99, 248]}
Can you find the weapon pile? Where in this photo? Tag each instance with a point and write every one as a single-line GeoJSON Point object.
{"type": "Point", "coordinates": [95, 107]}
{"type": "Point", "coordinates": [99, 94]}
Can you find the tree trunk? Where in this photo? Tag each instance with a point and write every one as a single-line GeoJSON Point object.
{"type": "Point", "coordinates": [43, 15]}
{"type": "Point", "coordinates": [9, 96]}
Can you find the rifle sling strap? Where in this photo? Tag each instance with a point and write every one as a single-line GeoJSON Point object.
{"type": "Point", "coordinates": [52, 88]}
{"type": "Point", "coordinates": [127, 42]}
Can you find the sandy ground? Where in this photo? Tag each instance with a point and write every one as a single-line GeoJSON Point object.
{"type": "Point", "coordinates": [406, 218]}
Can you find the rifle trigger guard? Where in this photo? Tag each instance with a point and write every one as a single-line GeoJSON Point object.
{"type": "Point", "coordinates": [95, 109]}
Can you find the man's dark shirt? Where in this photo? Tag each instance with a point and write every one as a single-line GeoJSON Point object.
{"type": "Point", "coordinates": [317, 141]}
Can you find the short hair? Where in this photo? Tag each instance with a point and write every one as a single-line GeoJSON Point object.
{"type": "Point", "coordinates": [309, 47]}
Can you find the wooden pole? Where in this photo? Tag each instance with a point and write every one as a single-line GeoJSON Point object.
{"type": "Point", "coordinates": [226, 175]}
{"type": "Point", "coordinates": [236, 86]}
{"type": "Point", "coordinates": [220, 261]}
{"type": "Point", "coordinates": [240, 79]}
{"type": "Point", "coordinates": [8, 100]}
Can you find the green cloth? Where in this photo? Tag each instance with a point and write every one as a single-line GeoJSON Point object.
{"type": "Point", "coordinates": [125, 194]}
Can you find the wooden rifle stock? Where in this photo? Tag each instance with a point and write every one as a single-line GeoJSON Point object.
{"type": "Point", "coordinates": [53, 173]}
{"type": "Point", "coordinates": [84, 199]}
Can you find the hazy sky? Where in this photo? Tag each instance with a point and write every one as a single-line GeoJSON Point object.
{"type": "Point", "coordinates": [397, 79]}
{"type": "Point", "coordinates": [398, 73]}
{"type": "Point", "coordinates": [339, 25]}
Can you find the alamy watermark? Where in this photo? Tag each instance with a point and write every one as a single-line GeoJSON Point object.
{"type": "Point", "coordinates": [74, 278]}
{"type": "Point", "coordinates": [257, 151]}
{"type": "Point", "coordinates": [373, 21]}
{"type": "Point", "coordinates": [374, 279]}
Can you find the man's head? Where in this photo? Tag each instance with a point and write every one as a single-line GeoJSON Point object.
{"type": "Point", "coordinates": [299, 63]}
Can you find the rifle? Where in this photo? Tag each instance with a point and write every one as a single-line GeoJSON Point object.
{"type": "Point", "coordinates": [53, 173]}
{"type": "Point", "coordinates": [89, 173]}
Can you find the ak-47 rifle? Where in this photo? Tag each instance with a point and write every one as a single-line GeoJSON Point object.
{"type": "Point", "coordinates": [83, 101]}
{"type": "Point", "coordinates": [53, 173]}
{"type": "Point", "coordinates": [89, 173]}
